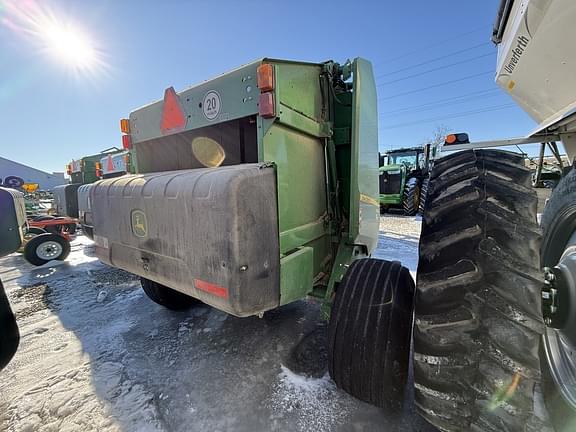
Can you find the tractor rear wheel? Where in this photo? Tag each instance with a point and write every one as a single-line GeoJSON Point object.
{"type": "Point", "coordinates": [370, 330]}
{"type": "Point", "coordinates": [559, 342]}
{"type": "Point", "coordinates": [167, 297]}
{"type": "Point", "coordinates": [411, 197]}
{"type": "Point", "coordinates": [478, 309]}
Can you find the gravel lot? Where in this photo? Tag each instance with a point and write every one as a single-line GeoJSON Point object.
{"type": "Point", "coordinates": [97, 355]}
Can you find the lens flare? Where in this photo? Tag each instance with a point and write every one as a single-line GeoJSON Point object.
{"type": "Point", "coordinates": [52, 34]}
{"type": "Point", "coordinates": [68, 45]}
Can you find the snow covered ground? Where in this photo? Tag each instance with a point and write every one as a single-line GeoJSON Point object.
{"type": "Point", "coordinates": [97, 355]}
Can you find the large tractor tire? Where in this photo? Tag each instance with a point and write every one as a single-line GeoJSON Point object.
{"type": "Point", "coordinates": [167, 297]}
{"type": "Point", "coordinates": [559, 342]}
{"type": "Point", "coordinates": [478, 303]}
{"type": "Point", "coordinates": [370, 332]}
{"type": "Point", "coordinates": [423, 195]}
{"type": "Point", "coordinates": [411, 197]}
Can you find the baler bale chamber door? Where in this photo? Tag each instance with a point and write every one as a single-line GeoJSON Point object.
{"type": "Point", "coordinates": [200, 218]}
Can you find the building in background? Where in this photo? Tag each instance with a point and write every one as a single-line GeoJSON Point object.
{"type": "Point", "coordinates": [46, 181]}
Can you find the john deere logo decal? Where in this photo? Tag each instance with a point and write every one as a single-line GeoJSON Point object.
{"type": "Point", "coordinates": [139, 223]}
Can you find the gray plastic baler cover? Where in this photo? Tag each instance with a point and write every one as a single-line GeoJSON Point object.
{"type": "Point", "coordinates": [66, 199]}
{"type": "Point", "coordinates": [84, 206]}
{"type": "Point", "coordinates": [211, 233]}
{"type": "Point", "coordinates": [12, 220]}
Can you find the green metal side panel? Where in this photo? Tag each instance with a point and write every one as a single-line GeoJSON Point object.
{"type": "Point", "coordinates": [364, 193]}
{"type": "Point", "coordinates": [298, 89]}
{"type": "Point", "coordinates": [300, 171]}
{"type": "Point", "coordinates": [296, 275]}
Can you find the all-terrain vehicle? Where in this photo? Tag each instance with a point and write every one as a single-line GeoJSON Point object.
{"type": "Point", "coordinates": [404, 179]}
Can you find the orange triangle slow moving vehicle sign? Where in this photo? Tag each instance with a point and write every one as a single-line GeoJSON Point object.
{"type": "Point", "coordinates": [173, 117]}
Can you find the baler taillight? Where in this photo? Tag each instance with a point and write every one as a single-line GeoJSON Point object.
{"type": "Point", "coordinates": [126, 142]}
{"type": "Point", "coordinates": [126, 138]}
{"type": "Point", "coordinates": [125, 126]}
{"type": "Point", "coordinates": [266, 105]}
{"type": "Point", "coordinates": [127, 162]}
{"type": "Point", "coordinates": [98, 166]}
{"type": "Point", "coordinates": [266, 84]}
{"type": "Point", "coordinates": [265, 73]}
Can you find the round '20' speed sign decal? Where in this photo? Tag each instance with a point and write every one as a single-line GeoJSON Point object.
{"type": "Point", "coordinates": [211, 105]}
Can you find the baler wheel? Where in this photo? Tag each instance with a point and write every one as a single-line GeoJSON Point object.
{"type": "Point", "coordinates": [167, 297]}
{"type": "Point", "coordinates": [370, 331]}
{"type": "Point", "coordinates": [478, 318]}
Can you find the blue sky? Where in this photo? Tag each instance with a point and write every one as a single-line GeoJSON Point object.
{"type": "Point", "coordinates": [49, 115]}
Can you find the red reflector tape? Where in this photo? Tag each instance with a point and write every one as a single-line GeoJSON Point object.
{"type": "Point", "coordinates": [217, 290]}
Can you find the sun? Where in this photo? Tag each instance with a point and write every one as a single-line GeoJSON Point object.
{"type": "Point", "coordinates": [68, 45]}
{"type": "Point", "coordinates": [54, 34]}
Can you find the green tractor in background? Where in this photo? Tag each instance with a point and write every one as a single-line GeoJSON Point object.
{"type": "Point", "coordinates": [404, 179]}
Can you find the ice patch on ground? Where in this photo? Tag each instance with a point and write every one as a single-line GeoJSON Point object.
{"type": "Point", "coordinates": [300, 396]}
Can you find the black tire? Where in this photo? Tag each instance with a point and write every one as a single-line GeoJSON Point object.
{"type": "Point", "coordinates": [9, 336]}
{"type": "Point", "coordinates": [31, 251]}
{"type": "Point", "coordinates": [549, 184]}
{"type": "Point", "coordinates": [558, 225]}
{"type": "Point", "coordinates": [70, 228]}
{"type": "Point", "coordinates": [42, 218]}
{"type": "Point", "coordinates": [36, 231]}
{"type": "Point", "coordinates": [167, 297]}
{"type": "Point", "coordinates": [370, 331]}
{"type": "Point", "coordinates": [423, 195]}
{"type": "Point", "coordinates": [411, 197]}
{"type": "Point", "coordinates": [478, 320]}
{"type": "Point", "coordinates": [88, 231]}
